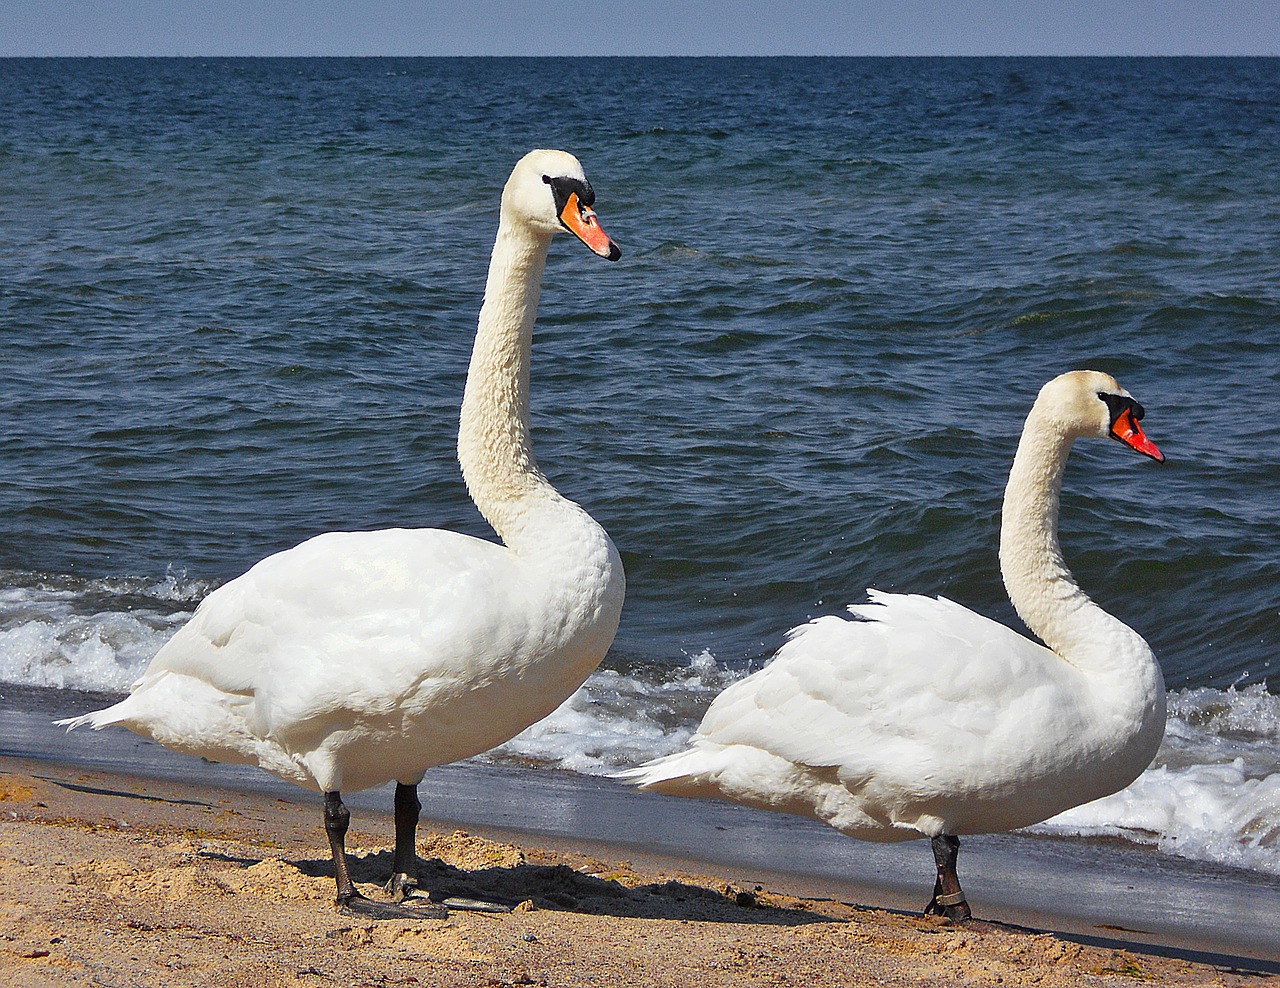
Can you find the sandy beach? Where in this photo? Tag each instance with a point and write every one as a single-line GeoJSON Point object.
{"type": "Point", "coordinates": [120, 881]}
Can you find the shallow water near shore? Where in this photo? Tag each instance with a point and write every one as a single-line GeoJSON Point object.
{"type": "Point", "coordinates": [237, 298]}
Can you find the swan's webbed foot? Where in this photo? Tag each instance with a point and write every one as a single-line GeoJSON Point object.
{"type": "Point", "coordinates": [416, 907]}
{"type": "Point", "coordinates": [948, 897]}
{"type": "Point", "coordinates": [404, 890]}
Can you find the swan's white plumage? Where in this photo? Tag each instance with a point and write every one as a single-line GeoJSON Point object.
{"type": "Point", "coordinates": [916, 703]}
{"type": "Point", "coordinates": [358, 658]}
{"type": "Point", "coordinates": [919, 717]}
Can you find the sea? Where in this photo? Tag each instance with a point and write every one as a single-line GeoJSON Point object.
{"type": "Point", "coordinates": [237, 299]}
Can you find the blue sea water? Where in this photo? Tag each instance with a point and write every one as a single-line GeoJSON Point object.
{"type": "Point", "coordinates": [237, 298]}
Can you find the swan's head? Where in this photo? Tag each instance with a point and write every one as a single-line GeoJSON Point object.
{"type": "Point", "coordinates": [548, 191]}
{"type": "Point", "coordinates": [1090, 403]}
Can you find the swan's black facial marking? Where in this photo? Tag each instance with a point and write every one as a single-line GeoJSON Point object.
{"type": "Point", "coordinates": [562, 188]}
{"type": "Point", "coordinates": [574, 198]}
{"type": "Point", "coordinates": [1117, 405]}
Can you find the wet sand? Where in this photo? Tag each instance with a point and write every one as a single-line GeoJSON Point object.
{"type": "Point", "coordinates": [114, 879]}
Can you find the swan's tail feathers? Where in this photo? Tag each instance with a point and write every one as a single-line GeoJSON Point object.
{"type": "Point", "coordinates": [183, 713]}
{"type": "Point", "coordinates": [97, 719]}
{"type": "Point", "coordinates": [118, 713]}
{"type": "Point", "coordinates": [648, 774]}
{"type": "Point", "coordinates": [191, 716]}
{"type": "Point", "coordinates": [744, 774]}
{"type": "Point", "coordinates": [686, 773]}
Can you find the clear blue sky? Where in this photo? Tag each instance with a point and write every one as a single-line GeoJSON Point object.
{"type": "Point", "coordinates": [639, 27]}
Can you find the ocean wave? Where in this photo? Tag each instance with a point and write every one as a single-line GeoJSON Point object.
{"type": "Point", "coordinates": [618, 719]}
{"type": "Point", "coordinates": [88, 634]}
{"type": "Point", "coordinates": [1204, 812]}
{"type": "Point", "coordinates": [1213, 793]}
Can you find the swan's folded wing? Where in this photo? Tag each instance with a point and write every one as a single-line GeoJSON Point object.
{"type": "Point", "coordinates": [367, 614]}
{"type": "Point", "coordinates": [915, 681]}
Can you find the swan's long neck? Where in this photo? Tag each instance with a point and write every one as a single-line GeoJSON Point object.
{"type": "Point", "coordinates": [1044, 593]}
{"type": "Point", "coordinates": [494, 449]}
{"type": "Point", "coordinates": [574, 584]}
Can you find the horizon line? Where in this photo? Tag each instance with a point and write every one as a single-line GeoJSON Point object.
{"type": "Point", "coordinates": [598, 57]}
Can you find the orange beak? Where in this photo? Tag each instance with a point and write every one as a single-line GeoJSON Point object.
{"type": "Point", "coordinates": [1126, 429]}
{"type": "Point", "coordinates": [582, 223]}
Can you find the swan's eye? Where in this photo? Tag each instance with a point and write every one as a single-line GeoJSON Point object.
{"type": "Point", "coordinates": [546, 179]}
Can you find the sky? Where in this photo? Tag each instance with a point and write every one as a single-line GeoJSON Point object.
{"type": "Point", "coordinates": [639, 27]}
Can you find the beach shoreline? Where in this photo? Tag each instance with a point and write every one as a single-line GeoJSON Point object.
{"type": "Point", "coordinates": [115, 876]}
{"type": "Point", "coordinates": [1102, 889]}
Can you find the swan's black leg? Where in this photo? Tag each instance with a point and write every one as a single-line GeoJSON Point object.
{"type": "Point", "coordinates": [404, 878]}
{"type": "Point", "coordinates": [948, 897]}
{"type": "Point", "coordinates": [336, 820]}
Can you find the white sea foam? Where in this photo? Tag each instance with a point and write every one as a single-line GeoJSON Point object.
{"type": "Point", "coordinates": [1213, 793]}
{"type": "Point", "coordinates": [51, 634]}
{"type": "Point", "coordinates": [615, 719]}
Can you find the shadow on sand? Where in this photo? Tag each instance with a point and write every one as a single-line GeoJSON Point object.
{"type": "Point", "coordinates": [559, 887]}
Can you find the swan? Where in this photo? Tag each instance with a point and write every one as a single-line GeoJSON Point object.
{"type": "Point", "coordinates": [358, 658]}
{"type": "Point", "coordinates": [921, 718]}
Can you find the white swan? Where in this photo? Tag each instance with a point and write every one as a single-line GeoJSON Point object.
{"type": "Point", "coordinates": [921, 718]}
{"type": "Point", "coordinates": [357, 658]}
